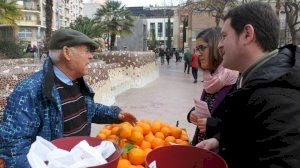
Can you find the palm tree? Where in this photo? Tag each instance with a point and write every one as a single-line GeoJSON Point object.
{"type": "Point", "coordinates": [87, 26]}
{"type": "Point", "coordinates": [49, 11]}
{"type": "Point", "coordinates": [115, 19]}
{"type": "Point", "coordinates": [9, 13]}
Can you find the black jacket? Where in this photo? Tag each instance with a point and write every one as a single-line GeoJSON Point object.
{"type": "Point", "coordinates": [262, 119]}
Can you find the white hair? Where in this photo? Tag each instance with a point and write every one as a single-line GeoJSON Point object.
{"type": "Point", "coordinates": [55, 54]}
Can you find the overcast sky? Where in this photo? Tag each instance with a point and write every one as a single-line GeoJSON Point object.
{"type": "Point", "coordinates": [130, 3]}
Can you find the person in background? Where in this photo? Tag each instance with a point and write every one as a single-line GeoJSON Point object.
{"type": "Point", "coordinates": [56, 101]}
{"type": "Point", "coordinates": [177, 55]}
{"type": "Point", "coordinates": [194, 65]}
{"type": "Point", "coordinates": [187, 57]}
{"type": "Point", "coordinates": [260, 127]}
{"type": "Point", "coordinates": [168, 55]}
{"type": "Point", "coordinates": [218, 82]}
{"type": "Point", "coordinates": [29, 48]}
{"type": "Point", "coordinates": [162, 56]}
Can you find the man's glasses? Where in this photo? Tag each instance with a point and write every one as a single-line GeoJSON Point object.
{"type": "Point", "coordinates": [201, 47]}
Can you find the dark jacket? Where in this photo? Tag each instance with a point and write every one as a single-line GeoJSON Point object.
{"type": "Point", "coordinates": [214, 122]}
{"type": "Point", "coordinates": [34, 109]}
{"type": "Point", "coordinates": [262, 119]}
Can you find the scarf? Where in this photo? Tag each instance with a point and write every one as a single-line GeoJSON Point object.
{"type": "Point", "coordinates": [212, 83]}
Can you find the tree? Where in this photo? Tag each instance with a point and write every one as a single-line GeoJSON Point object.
{"type": "Point", "coordinates": [115, 19]}
{"type": "Point", "coordinates": [152, 41]}
{"type": "Point", "coordinates": [169, 34]}
{"type": "Point", "coordinates": [9, 13]}
{"type": "Point", "coordinates": [216, 8]}
{"type": "Point", "coordinates": [87, 26]}
{"type": "Point", "coordinates": [49, 14]}
{"type": "Point", "coordinates": [292, 11]}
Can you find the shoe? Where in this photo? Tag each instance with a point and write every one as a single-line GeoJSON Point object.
{"type": "Point", "coordinates": [195, 81]}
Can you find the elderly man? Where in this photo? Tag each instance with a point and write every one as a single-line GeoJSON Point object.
{"type": "Point", "coordinates": [55, 102]}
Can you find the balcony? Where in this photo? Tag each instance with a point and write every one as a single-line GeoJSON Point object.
{"type": "Point", "coordinates": [31, 6]}
{"type": "Point", "coordinates": [28, 22]}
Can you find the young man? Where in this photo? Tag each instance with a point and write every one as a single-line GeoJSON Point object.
{"type": "Point", "coordinates": [55, 102]}
{"type": "Point", "coordinates": [262, 118]}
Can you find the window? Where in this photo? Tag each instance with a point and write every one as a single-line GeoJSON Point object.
{"type": "Point", "coordinates": [159, 29]}
{"type": "Point", "coordinates": [25, 33]}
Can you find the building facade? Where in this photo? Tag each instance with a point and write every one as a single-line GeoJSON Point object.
{"type": "Point", "coordinates": [31, 28]}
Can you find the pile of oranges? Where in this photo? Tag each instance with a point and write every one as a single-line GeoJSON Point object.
{"type": "Point", "coordinates": [140, 139]}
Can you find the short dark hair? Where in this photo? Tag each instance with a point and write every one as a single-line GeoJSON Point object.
{"type": "Point", "coordinates": [212, 37]}
{"type": "Point", "coordinates": [262, 17]}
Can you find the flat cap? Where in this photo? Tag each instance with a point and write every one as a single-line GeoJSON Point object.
{"type": "Point", "coordinates": [69, 38]}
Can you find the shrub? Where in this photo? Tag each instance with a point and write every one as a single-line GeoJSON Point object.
{"type": "Point", "coordinates": [11, 49]}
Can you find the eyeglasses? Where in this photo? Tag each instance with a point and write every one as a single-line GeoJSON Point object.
{"type": "Point", "coordinates": [201, 47]}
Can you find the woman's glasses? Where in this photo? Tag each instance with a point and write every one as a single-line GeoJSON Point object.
{"type": "Point", "coordinates": [201, 47]}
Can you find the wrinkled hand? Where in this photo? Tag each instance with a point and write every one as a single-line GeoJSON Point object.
{"type": "Point", "coordinates": [127, 117]}
{"type": "Point", "coordinates": [211, 144]}
{"type": "Point", "coordinates": [2, 163]}
{"type": "Point", "coordinates": [201, 123]}
{"type": "Point", "coordinates": [194, 117]}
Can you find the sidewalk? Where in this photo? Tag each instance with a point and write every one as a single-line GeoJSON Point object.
{"type": "Point", "coordinates": [169, 98]}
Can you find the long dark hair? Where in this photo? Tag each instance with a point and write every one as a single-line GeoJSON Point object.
{"type": "Point", "coordinates": [212, 37]}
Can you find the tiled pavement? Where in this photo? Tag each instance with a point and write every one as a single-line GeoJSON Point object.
{"type": "Point", "coordinates": [168, 98]}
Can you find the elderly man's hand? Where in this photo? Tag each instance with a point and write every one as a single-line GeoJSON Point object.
{"type": "Point", "coordinates": [2, 163]}
{"type": "Point", "coordinates": [127, 117]}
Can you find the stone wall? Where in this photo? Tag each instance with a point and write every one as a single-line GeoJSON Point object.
{"type": "Point", "coordinates": [110, 74]}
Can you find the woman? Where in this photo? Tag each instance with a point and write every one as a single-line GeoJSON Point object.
{"type": "Point", "coordinates": [217, 83]}
{"type": "Point", "coordinates": [194, 65]}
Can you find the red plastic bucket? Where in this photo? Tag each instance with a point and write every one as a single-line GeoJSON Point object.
{"type": "Point", "coordinates": [69, 142]}
{"type": "Point", "coordinates": [180, 156]}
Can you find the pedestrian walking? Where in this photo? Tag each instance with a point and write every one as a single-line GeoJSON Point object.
{"type": "Point", "coordinates": [194, 65]}
{"type": "Point", "coordinates": [187, 64]}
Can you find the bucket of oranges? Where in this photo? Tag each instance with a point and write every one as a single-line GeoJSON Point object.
{"type": "Point", "coordinates": [138, 140]}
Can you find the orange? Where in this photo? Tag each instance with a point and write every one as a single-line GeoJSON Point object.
{"type": "Point", "coordinates": [149, 137]}
{"type": "Point", "coordinates": [101, 136]}
{"type": "Point", "coordinates": [137, 137]}
{"type": "Point", "coordinates": [160, 135]}
{"type": "Point", "coordinates": [139, 166]}
{"type": "Point", "coordinates": [157, 142]}
{"type": "Point", "coordinates": [109, 127]}
{"type": "Point", "coordinates": [106, 132]}
{"type": "Point", "coordinates": [124, 155]}
{"type": "Point", "coordinates": [146, 127]}
{"type": "Point", "coordinates": [123, 163]}
{"type": "Point", "coordinates": [125, 131]}
{"type": "Point", "coordinates": [169, 139]}
{"type": "Point", "coordinates": [155, 127]}
{"type": "Point", "coordinates": [136, 156]}
{"type": "Point", "coordinates": [122, 142]}
{"type": "Point", "coordinates": [132, 166]}
{"type": "Point", "coordinates": [147, 150]}
{"type": "Point", "coordinates": [138, 128]}
{"type": "Point", "coordinates": [166, 131]}
{"type": "Point", "coordinates": [145, 144]}
{"type": "Point", "coordinates": [146, 121]}
{"type": "Point", "coordinates": [178, 141]}
{"type": "Point", "coordinates": [115, 130]}
{"type": "Point", "coordinates": [176, 132]}
{"type": "Point", "coordinates": [184, 137]}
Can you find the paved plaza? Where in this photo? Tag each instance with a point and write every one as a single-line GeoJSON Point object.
{"type": "Point", "coordinates": [168, 98]}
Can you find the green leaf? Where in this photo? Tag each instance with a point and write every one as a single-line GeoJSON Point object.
{"type": "Point", "coordinates": [127, 148]}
